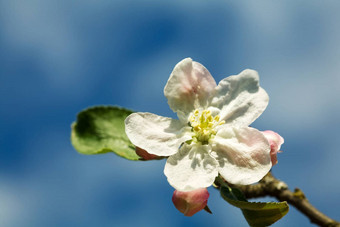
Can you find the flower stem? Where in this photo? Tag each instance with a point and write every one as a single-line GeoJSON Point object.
{"type": "Point", "coordinates": [270, 186]}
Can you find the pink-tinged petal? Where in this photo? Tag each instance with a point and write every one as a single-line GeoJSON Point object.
{"type": "Point", "coordinates": [275, 141]}
{"type": "Point", "coordinates": [243, 154]}
{"type": "Point", "coordinates": [191, 202]}
{"type": "Point", "coordinates": [145, 155]}
{"type": "Point", "coordinates": [157, 135]}
{"type": "Point", "coordinates": [191, 168]}
{"type": "Point", "coordinates": [240, 98]}
{"type": "Point", "coordinates": [189, 87]}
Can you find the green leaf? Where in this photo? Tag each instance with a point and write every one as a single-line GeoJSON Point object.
{"type": "Point", "coordinates": [256, 214]}
{"type": "Point", "coordinates": [101, 129]}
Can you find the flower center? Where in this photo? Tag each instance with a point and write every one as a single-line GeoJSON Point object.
{"type": "Point", "coordinates": [203, 125]}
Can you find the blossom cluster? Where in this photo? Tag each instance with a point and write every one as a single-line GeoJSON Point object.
{"type": "Point", "coordinates": [211, 136]}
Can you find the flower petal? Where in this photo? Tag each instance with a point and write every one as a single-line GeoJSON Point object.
{"type": "Point", "coordinates": [275, 142]}
{"type": "Point", "coordinates": [243, 154]}
{"type": "Point", "coordinates": [274, 139]}
{"type": "Point", "coordinates": [157, 135]}
{"type": "Point", "coordinates": [189, 87]}
{"type": "Point", "coordinates": [191, 168]}
{"type": "Point", "coordinates": [240, 98]}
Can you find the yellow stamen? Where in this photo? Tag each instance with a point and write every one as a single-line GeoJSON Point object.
{"type": "Point", "coordinates": [221, 122]}
{"type": "Point", "coordinates": [203, 124]}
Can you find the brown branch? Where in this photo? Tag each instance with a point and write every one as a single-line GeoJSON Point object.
{"type": "Point", "coordinates": [271, 186]}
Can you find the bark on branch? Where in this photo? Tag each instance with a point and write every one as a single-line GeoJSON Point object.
{"type": "Point", "coordinates": [270, 186]}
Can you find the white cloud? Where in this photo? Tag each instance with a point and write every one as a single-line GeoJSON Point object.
{"type": "Point", "coordinates": [49, 34]}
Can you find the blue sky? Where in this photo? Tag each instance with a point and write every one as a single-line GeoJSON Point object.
{"type": "Point", "coordinates": [59, 57]}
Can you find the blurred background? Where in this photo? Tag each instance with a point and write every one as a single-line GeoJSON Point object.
{"type": "Point", "coordinates": [59, 57]}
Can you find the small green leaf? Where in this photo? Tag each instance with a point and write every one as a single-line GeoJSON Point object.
{"type": "Point", "coordinates": [101, 129]}
{"type": "Point", "coordinates": [256, 214]}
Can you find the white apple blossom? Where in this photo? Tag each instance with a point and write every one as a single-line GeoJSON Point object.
{"type": "Point", "coordinates": [211, 136]}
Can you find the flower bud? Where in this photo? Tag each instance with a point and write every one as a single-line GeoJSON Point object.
{"type": "Point", "coordinates": [189, 203]}
{"type": "Point", "coordinates": [145, 155]}
{"type": "Point", "coordinates": [275, 142]}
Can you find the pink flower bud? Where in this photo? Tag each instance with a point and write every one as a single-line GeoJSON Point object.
{"type": "Point", "coordinates": [189, 203]}
{"type": "Point", "coordinates": [145, 155]}
{"type": "Point", "coordinates": [275, 142]}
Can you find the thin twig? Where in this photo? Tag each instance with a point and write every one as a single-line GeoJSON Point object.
{"type": "Point", "coordinates": [270, 186]}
